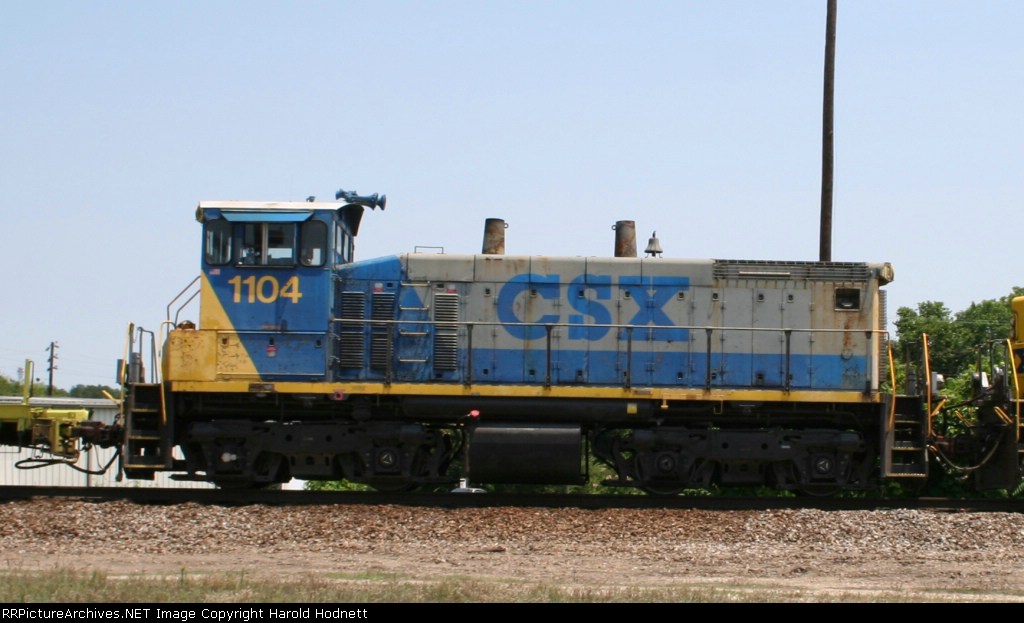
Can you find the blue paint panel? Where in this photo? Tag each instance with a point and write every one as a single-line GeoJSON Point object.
{"type": "Point", "coordinates": [684, 370]}
{"type": "Point", "coordinates": [272, 303]}
{"type": "Point", "coordinates": [387, 268]}
{"type": "Point", "coordinates": [608, 368]}
{"type": "Point", "coordinates": [256, 299]}
{"type": "Point", "coordinates": [605, 367]}
{"type": "Point", "coordinates": [570, 367]}
{"type": "Point", "coordinates": [281, 357]}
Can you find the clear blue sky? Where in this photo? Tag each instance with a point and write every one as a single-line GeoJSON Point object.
{"type": "Point", "coordinates": [698, 119]}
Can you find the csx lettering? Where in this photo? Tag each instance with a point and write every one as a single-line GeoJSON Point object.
{"type": "Point", "coordinates": [585, 293]}
{"type": "Point", "coordinates": [265, 289]}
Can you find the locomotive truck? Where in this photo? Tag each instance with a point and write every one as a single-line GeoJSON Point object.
{"type": "Point", "coordinates": [421, 369]}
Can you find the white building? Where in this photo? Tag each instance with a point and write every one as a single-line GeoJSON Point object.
{"type": "Point", "coordinates": [16, 464]}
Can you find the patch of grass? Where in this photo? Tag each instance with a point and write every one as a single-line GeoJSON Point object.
{"type": "Point", "coordinates": [67, 586]}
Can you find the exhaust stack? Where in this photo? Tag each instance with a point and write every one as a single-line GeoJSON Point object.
{"type": "Point", "coordinates": [494, 237]}
{"type": "Point", "coordinates": [625, 238]}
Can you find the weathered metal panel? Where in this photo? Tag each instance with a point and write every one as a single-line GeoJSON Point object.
{"type": "Point", "coordinates": [438, 267]}
{"type": "Point", "coordinates": [190, 355]}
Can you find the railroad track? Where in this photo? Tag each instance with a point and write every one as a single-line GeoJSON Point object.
{"type": "Point", "coordinates": [227, 497]}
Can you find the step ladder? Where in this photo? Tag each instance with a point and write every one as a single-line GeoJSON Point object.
{"type": "Point", "coordinates": [146, 447]}
{"type": "Point", "coordinates": [905, 440]}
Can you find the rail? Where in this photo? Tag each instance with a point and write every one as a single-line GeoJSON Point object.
{"type": "Point", "coordinates": [547, 333]}
{"type": "Point", "coordinates": [1017, 399]}
{"type": "Point", "coordinates": [133, 365]}
{"type": "Point", "coordinates": [892, 381]}
{"type": "Point", "coordinates": [185, 304]}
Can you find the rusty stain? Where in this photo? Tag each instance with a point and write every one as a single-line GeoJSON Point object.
{"type": "Point", "coordinates": [494, 237]}
{"type": "Point", "coordinates": [625, 238]}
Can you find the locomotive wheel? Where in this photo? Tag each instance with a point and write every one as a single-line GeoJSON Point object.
{"type": "Point", "coordinates": [664, 463]}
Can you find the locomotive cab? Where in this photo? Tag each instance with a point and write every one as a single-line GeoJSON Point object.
{"type": "Point", "coordinates": [265, 291]}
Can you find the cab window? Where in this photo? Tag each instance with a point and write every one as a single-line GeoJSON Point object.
{"type": "Point", "coordinates": [342, 245]}
{"type": "Point", "coordinates": [266, 244]}
{"type": "Point", "coordinates": [314, 243]}
{"type": "Point", "coordinates": [217, 242]}
{"type": "Point", "coordinates": [282, 244]}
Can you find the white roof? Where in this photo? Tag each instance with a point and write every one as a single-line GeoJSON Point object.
{"type": "Point", "coordinates": [272, 205]}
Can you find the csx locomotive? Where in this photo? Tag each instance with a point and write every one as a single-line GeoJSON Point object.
{"type": "Point", "coordinates": [424, 368]}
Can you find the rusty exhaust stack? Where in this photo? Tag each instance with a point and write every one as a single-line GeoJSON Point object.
{"type": "Point", "coordinates": [625, 238]}
{"type": "Point", "coordinates": [494, 237]}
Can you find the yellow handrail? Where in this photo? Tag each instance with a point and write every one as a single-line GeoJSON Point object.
{"type": "Point", "coordinates": [927, 381]}
{"type": "Point", "coordinates": [1016, 387]}
{"type": "Point", "coordinates": [123, 372]}
{"type": "Point", "coordinates": [892, 380]}
{"type": "Point", "coordinates": [165, 330]}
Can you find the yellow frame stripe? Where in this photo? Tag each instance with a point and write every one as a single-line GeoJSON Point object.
{"type": "Point", "coordinates": [522, 391]}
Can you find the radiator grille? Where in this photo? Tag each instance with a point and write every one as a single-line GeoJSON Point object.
{"type": "Point", "coordinates": [382, 308]}
{"type": "Point", "coordinates": [446, 331]}
{"type": "Point", "coordinates": [883, 342]}
{"type": "Point", "coordinates": [352, 335]}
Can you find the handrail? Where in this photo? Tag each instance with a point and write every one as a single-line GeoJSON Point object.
{"type": "Point", "coordinates": [1016, 386]}
{"type": "Point", "coordinates": [154, 355]}
{"type": "Point", "coordinates": [547, 331]}
{"type": "Point", "coordinates": [541, 325]}
{"type": "Point", "coordinates": [927, 375]}
{"type": "Point", "coordinates": [165, 328]}
{"type": "Point", "coordinates": [178, 296]}
{"type": "Point", "coordinates": [892, 406]}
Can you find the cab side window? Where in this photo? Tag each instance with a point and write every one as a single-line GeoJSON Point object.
{"type": "Point", "coordinates": [266, 244]}
{"type": "Point", "coordinates": [252, 246]}
{"type": "Point", "coordinates": [217, 247]}
{"type": "Point", "coordinates": [281, 243]}
{"type": "Point", "coordinates": [314, 243]}
{"type": "Point", "coordinates": [342, 245]}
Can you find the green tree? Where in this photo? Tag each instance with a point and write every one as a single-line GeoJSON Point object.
{"type": "Point", "coordinates": [13, 387]}
{"type": "Point", "coordinates": [955, 341]}
{"type": "Point", "coordinates": [9, 386]}
{"type": "Point", "coordinates": [93, 391]}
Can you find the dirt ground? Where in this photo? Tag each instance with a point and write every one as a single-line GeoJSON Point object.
{"type": "Point", "coordinates": [825, 556]}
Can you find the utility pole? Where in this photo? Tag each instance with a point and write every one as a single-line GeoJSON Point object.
{"type": "Point", "coordinates": [827, 148]}
{"type": "Point", "coordinates": [53, 366]}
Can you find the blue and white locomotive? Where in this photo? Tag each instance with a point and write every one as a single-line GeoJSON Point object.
{"type": "Point", "coordinates": [421, 369]}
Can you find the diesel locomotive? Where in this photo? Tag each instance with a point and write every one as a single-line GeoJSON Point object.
{"type": "Point", "coordinates": [422, 369]}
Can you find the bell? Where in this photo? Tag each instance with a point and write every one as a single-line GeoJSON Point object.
{"type": "Point", "coordinates": [653, 246]}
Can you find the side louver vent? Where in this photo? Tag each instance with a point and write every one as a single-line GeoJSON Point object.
{"type": "Point", "coordinates": [382, 308]}
{"type": "Point", "coordinates": [446, 331]}
{"type": "Point", "coordinates": [883, 342]}
{"type": "Point", "coordinates": [352, 335]}
{"type": "Point", "coordinates": [794, 271]}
